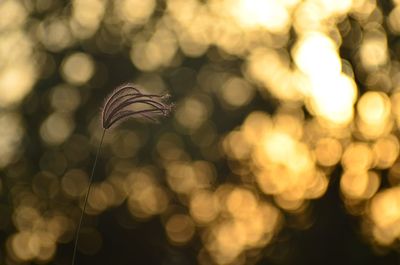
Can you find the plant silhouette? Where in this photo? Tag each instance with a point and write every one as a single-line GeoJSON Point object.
{"type": "Point", "coordinates": [126, 101]}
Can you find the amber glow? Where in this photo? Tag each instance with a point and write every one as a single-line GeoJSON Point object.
{"type": "Point", "coordinates": [274, 100]}
{"type": "Point", "coordinates": [270, 14]}
{"type": "Point", "coordinates": [385, 213]}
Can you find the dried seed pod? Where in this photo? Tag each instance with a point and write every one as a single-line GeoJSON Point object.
{"type": "Point", "coordinates": [128, 101]}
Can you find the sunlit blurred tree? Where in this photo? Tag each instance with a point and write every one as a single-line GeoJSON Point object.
{"type": "Point", "coordinates": [274, 99]}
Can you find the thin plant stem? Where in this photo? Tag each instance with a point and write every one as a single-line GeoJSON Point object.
{"type": "Point", "coordinates": [86, 199]}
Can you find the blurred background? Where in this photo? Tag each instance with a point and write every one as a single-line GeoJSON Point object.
{"type": "Point", "coordinates": [283, 147]}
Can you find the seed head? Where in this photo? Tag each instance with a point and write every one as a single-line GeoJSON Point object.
{"type": "Point", "coordinates": [128, 101]}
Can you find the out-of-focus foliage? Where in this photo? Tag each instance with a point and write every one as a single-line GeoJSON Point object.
{"type": "Point", "coordinates": [274, 98]}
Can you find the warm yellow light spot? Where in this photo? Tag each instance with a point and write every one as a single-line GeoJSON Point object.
{"type": "Point", "coordinates": [271, 216]}
{"type": "Point", "coordinates": [373, 51]}
{"type": "Point", "coordinates": [289, 205]}
{"type": "Point", "coordinates": [318, 185]}
{"type": "Point", "coordinates": [13, 14]}
{"type": "Point", "coordinates": [287, 168]}
{"type": "Point", "coordinates": [180, 229]}
{"type": "Point", "coordinates": [270, 14]}
{"type": "Point", "coordinates": [290, 123]}
{"type": "Point", "coordinates": [183, 10]}
{"type": "Point", "coordinates": [25, 217]}
{"type": "Point", "coordinates": [55, 34]}
{"type": "Point", "coordinates": [295, 155]}
{"type": "Point", "coordinates": [328, 151]}
{"type": "Point", "coordinates": [363, 8]}
{"type": "Point", "coordinates": [86, 16]}
{"type": "Point", "coordinates": [312, 15]}
{"type": "Point", "coordinates": [20, 246]}
{"type": "Point", "coordinates": [279, 147]}
{"type": "Point", "coordinates": [394, 20]}
{"type": "Point", "coordinates": [374, 112]}
{"type": "Point", "coordinates": [254, 228]}
{"type": "Point", "coordinates": [385, 208]}
{"type": "Point", "coordinates": [101, 197]}
{"type": "Point", "coordinates": [374, 107]}
{"type": "Point", "coordinates": [194, 41]}
{"type": "Point", "coordinates": [188, 177]}
{"type": "Point", "coordinates": [56, 128]}
{"type": "Point", "coordinates": [308, 16]}
{"type": "Point", "coordinates": [386, 151]}
{"type": "Point", "coordinates": [204, 206]}
{"type": "Point", "coordinates": [357, 156]}
{"type": "Point", "coordinates": [332, 98]}
{"type": "Point", "coordinates": [77, 68]}
{"type": "Point", "coordinates": [192, 112]}
{"type": "Point", "coordinates": [27, 245]}
{"type": "Point", "coordinates": [135, 11]}
{"type": "Point", "coordinates": [236, 92]}
{"type": "Point", "coordinates": [236, 146]}
{"type": "Point", "coordinates": [126, 144]}
{"type": "Point", "coordinates": [271, 69]}
{"type": "Point", "coordinates": [16, 82]}
{"type": "Point", "coordinates": [73, 183]}
{"type": "Point", "coordinates": [241, 203]}
{"type": "Point", "coordinates": [182, 177]}
{"type": "Point", "coordinates": [275, 180]}
{"type": "Point", "coordinates": [256, 125]}
{"type": "Point", "coordinates": [153, 200]}
{"type": "Point", "coordinates": [228, 243]}
{"type": "Point", "coordinates": [146, 196]}
{"type": "Point", "coordinates": [359, 184]}
{"type": "Point", "coordinates": [316, 55]}
{"type": "Point", "coordinates": [59, 227]}
{"type": "Point", "coordinates": [46, 244]}
{"type": "Point", "coordinates": [384, 236]}
{"type": "Point", "coordinates": [149, 55]}
{"type": "Point", "coordinates": [336, 6]}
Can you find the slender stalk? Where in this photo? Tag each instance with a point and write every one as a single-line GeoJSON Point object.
{"type": "Point", "coordinates": [86, 199]}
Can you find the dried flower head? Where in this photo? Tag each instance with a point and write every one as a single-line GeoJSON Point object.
{"type": "Point", "coordinates": [125, 102]}
{"type": "Point", "coordinates": [128, 101]}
